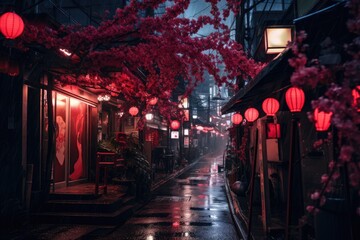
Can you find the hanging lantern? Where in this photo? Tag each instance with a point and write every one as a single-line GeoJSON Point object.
{"type": "Point", "coordinates": [236, 118]}
{"type": "Point", "coordinates": [175, 125]}
{"type": "Point", "coordinates": [133, 111]}
{"type": "Point", "coordinates": [322, 120]}
{"type": "Point", "coordinates": [356, 95]}
{"type": "Point", "coordinates": [295, 99]}
{"type": "Point", "coordinates": [11, 25]}
{"type": "Point", "coordinates": [153, 101]}
{"type": "Point", "coordinates": [270, 106]}
{"type": "Point", "coordinates": [251, 114]}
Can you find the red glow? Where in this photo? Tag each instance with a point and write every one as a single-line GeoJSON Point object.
{"type": "Point", "coordinates": [11, 25]}
{"type": "Point", "coordinates": [270, 106]}
{"type": "Point", "coordinates": [322, 120]}
{"type": "Point", "coordinates": [176, 224]}
{"type": "Point", "coordinates": [153, 101]}
{"type": "Point", "coordinates": [175, 125]}
{"type": "Point", "coordinates": [272, 130]}
{"type": "Point", "coordinates": [133, 111]}
{"type": "Point", "coordinates": [295, 99]}
{"type": "Point", "coordinates": [356, 95]}
{"type": "Point", "coordinates": [13, 68]}
{"type": "Point", "coordinates": [251, 114]}
{"type": "Point", "coordinates": [236, 118]}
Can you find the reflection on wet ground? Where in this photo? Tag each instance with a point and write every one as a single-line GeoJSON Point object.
{"type": "Point", "coordinates": [193, 206]}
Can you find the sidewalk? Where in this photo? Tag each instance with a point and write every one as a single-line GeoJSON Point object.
{"type": "Point", "coordinates": [161, 177]}
{"type": "Point", "coordinates": [75, 214]}
{"type": "Point", "coordinates": [240, 212]}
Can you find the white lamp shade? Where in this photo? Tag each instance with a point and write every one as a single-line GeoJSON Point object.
{"type": "Point", "coordinates": [276, 39]}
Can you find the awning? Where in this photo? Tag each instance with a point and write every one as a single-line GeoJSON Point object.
{"type": "Point", "coordinates": [197, 121]}
{"type": "Point", "coordinates": [272, 79]}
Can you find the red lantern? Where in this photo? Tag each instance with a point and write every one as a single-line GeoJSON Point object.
{"type": "Point", "coordinates": [322, 120]}
{"type": "Point", "coordinates": [270, 106]}
{"type": "Point", "coordinates": [153, 101]}
{"type": "Point", "coordinates": [236, 118]}
{"type": "Point", "coordinates": [11, 25]}
{"type": "Point", "coordinates": [175, 125]}
{"type": "Point", "coordinates": [133, 111]}
{"type": "Point", "coordinates": [356, 95]}
{"type": "Point", "coordinates": [295, 99]}
{"type": "Point", "coordinates": [251, 114]}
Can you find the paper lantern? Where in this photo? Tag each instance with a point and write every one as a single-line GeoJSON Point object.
{"type": "Point", "coordinates": [270, 106]}
{"type": "Point", "coordinates": [133, 111]}
{"type": "Point", "coordinates": [11, 25]}
{"type": "Point", "coordinates": [251, 114]}
{"type": "Point", "coordinates": [236, 118]}
{"type": "Point", "coordinates": [175, 125]}
{"type": "Point", "coordinates": [322, 120]}
{"type": "Point", "coordinates": [295, 99]}
{"type": "Point", "coordinates": [153, 101]}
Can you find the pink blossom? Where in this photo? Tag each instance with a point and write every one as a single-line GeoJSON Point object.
{"type": "Point", "coordinates": [317, 144]}
{"type": "Point", "coordinates": [346, 153]}
{"type": "Point", "coordinates": [315, 195]}
{"type": "Point", "coordinates": [322, 200]}
{"type": "Point", "coordinates": [324, 178]}
{"type": "Point", "coordinates": [336, 175]}
{"type": "Point", "coordinates": [332, 164]}
{"type": "Point", "coordinates": [310, 208]}
{"type": "Point", "coordinates": [354, 179]}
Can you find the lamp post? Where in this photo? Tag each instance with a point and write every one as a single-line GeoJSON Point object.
{"type": "Point", "coordinates": [251, 115]}
{"type": "Point", "coordinates": [295, 99]}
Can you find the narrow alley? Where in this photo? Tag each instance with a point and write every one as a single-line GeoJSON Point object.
{"type": "Point", "coordinates": [192, 206]}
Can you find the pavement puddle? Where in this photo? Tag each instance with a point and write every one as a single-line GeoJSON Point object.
{"type": "Point", "coordinates": [152, 215]}
{"type": "Point", "coordinates": [172, 199]}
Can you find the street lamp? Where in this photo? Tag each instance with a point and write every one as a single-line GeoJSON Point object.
{"type": "Point", "coordinates": [149, 116]}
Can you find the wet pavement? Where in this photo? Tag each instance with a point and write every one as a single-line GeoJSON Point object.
{"type": "Point", "coordinates": [191, 206]}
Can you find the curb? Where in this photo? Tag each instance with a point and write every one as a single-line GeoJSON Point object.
{"type": "Point", "coordinates": [173, 175]}
{"type": "Point", "coordinates": [239, 226]}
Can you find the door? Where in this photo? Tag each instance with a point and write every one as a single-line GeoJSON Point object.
{"type": "Point", "coordinates": [71, 123]}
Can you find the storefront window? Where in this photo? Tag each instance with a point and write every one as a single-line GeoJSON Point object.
{"type": "Point", "coordinates": [61, 130]}
{"type": "Point", "coordinates": [78, 136]}
{"type": "Point", "coordinates": [71, 135]}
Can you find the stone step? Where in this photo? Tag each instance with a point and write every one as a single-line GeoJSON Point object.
{"type": "Point", "coordinates": [102, 218]}
{"type": "Point", "coordinates": [73, 196]}
{"type": "Point", "coordinates": [90, 206]}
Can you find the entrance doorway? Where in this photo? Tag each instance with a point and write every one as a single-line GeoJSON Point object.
{"type": "Point", "coordinates": [72, 133]}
